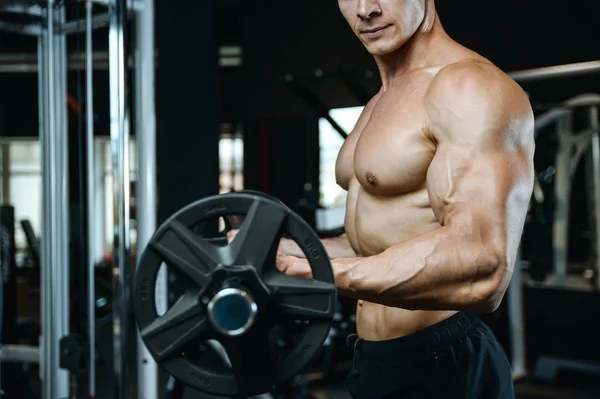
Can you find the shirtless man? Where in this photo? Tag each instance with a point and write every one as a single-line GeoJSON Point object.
{"type": "Point", "coordinates": [439, 173]}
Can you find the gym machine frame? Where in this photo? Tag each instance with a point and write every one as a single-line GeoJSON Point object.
{"type": "Point", "coordinates": [566, 163]}
{"type": "Point", "coordinates": [51, 64]}
{"type": "Point", "coordinates": [55, 223]}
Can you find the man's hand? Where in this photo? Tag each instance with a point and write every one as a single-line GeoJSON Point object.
{"type": "Point", "coordinates": [293, 266]}
{"type": "Point", "coordinates": [289, 247]}
{"type": "Point", "coordinates": [289, 260]}
{"type": "Point", "coordinates": [231, 235]}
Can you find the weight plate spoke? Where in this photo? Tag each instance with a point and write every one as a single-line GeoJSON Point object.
{"type": "Point", "coordinates": [252, 361]}
{"type": "Point", "coordinates": [189, 253]}
{"type": "Point", "coordinates": [258, 238]}
{"type": "Point", "coordinates": [301, 298]}
{"type": "Point", "coordinates": [180, 325]}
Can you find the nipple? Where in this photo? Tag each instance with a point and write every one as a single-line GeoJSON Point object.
{"type": "Point", "coordinates": [372, 179]}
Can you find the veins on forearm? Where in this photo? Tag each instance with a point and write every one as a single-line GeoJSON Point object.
{"type": "Point", "coordinates": [439, 270]}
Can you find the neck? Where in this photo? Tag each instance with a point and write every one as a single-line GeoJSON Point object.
{"type": "Point", "coordinates": [415, 53]}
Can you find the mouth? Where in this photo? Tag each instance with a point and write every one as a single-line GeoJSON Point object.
{"type": "Point", "coordinates": [374, 31]}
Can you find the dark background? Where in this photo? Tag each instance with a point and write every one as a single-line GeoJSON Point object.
{"type": "Point", "coordinates": [280, 37]}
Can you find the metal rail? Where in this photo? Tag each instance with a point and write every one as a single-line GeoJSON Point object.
{"type": "Point", "coordinates": [557, 71]}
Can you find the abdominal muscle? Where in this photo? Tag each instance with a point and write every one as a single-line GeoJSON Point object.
{"type": "Point", "coordinates": [373, 224]}
{"type": "Point", "coordinates": [376, 322]}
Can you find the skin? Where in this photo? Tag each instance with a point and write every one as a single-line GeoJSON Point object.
{"type": "Point", "coordinates": [439, 173]}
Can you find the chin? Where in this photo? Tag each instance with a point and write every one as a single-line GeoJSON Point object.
{"type": "Point", "coordinates": [380, 52]}
{"type": "Point", "coordinates": [382, 49]}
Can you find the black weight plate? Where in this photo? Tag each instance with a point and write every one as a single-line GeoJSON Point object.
{"type": "Point", "coordinates": [260, 194]}
{"type": "Point", "coordinates": [235, 221]}
{"type": "Point", "coordinates": [186, 323]}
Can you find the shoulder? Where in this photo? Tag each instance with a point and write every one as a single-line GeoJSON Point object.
{"type": "Point", "coordinates": [477, 91]}
{"type": "Point", "coordinates": [477, 83]}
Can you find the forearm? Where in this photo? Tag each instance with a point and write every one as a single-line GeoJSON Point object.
{"type": "Point", "coordinates": [440, 270]}
{"type": "Point", "coordinates": [336, 247]}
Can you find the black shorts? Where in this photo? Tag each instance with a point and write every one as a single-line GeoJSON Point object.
{"type": "Point", "coordinates": [457, 358]}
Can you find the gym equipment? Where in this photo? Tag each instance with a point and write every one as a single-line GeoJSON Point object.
{"type": "Point", "coordinates": [8, 268]}
{"type": "Point", "coordinates": [32, 241]}
{"type": "Point", "coordinates": [571, 147]}
{"type": "Point", "coordinates": [235, 221]}
{"type": "Point", "coordinates": [236, 296]}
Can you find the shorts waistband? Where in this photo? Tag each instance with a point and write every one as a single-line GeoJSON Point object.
{"type": "Point", "coordinates": [443, 331]}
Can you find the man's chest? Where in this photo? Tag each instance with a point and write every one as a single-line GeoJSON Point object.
{"type": "Point", "coordinates": [392, 150]}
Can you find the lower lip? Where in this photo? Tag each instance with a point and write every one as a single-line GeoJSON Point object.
{"type": "Point", "coordinates": [373, 35]}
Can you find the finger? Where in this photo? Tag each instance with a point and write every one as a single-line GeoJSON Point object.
{"type": "Point", "coordinates": [282, 262]}
{"type": "Point", "coordinates": [303, 267]}
{"type": "Point", "coordinates": [293, 266]}
{"type": "Point", "coordinates": [231, 235]}
{"type": "Point", "coordinates": [290, 247]}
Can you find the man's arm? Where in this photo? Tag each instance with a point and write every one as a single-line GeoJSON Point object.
{"type": "Point", "coordinates": [336, 247]}
{"type": "Point", "coordinates": [479, 183]}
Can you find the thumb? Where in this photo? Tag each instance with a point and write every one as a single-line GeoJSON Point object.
{"type": "Point", "coordinates": [231, 235]}
{"type": "Point", "coordinates": [283, 262]}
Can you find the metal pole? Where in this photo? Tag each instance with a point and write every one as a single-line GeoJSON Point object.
{"type": "Point", "coordinates": [90, 203]}
{"type": "Point", "coordinates": [54, 260]}
{"type": "Point", "coordinates": [123, 326]}
{"type": "Point", "coordinates": [48, 261]}
{"type": "Point", "coordinates": [516, 319]}
{"type": "Point", "coordinates": [45, 259]}
{"type": "Point", "coordinates": [100, 201]}
{"type": "Point", "coordinates": [5, 154]}
{"type": "Point", "coordinates": [20, 354]}
{"type": "Point", "coordinates": [595, 194]}
{"type": "Point", "coordinates": [549, 117]}
{"type": "Point", "coordinates": [557, 71]}
{"type": "Point", "coordinates": [27, 63]}
{"type": "Point", "coordinates": [562, 191]}
{"type": "Point", "coordinates": [146, 185]}
{"type": "Point", "coordinates": [62, 202]}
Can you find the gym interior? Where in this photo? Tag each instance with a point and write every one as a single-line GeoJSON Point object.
{"type": "Point", "coordinates": [116, 115]}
